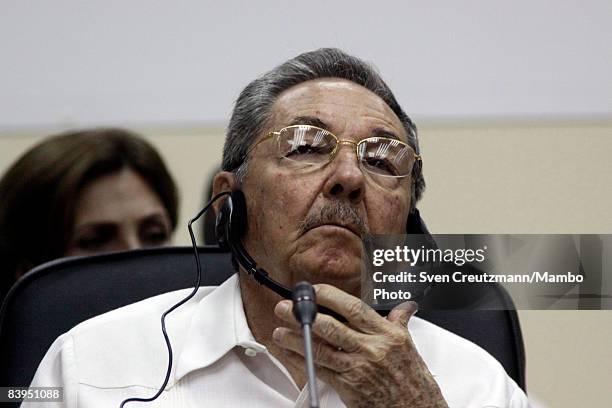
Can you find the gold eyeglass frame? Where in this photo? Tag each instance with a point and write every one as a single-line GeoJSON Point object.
{"type": "Point", "coordinates": [339, 142]}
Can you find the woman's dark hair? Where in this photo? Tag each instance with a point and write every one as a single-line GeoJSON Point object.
{"type": "Point", "coordinates": [38, 193]}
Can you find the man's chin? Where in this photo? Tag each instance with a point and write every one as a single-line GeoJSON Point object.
{"type": "Point", "coordinates": [339, 270]}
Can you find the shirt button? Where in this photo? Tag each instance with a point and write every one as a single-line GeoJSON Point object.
{"type": "Point", "coordinates": [250, 352]}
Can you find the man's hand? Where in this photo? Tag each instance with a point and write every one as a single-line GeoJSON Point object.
{"type": "Point", "coordinates": [371, 362]}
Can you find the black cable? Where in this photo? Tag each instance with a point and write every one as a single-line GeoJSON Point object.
{"type": "Point", "coordinates": [180, 303]}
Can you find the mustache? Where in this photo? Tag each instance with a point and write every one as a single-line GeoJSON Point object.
{"type": "Point", "coordinates": [335, 212]}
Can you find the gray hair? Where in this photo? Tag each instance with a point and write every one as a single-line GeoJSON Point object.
{"type": "Point", "coordinates": [253, 107]}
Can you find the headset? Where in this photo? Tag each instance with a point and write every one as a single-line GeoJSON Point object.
{"type": "Point", "coordinates": [231, 225]}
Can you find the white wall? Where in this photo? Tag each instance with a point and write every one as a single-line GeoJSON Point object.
{"type": "Point", "coordinates": [66, 62]}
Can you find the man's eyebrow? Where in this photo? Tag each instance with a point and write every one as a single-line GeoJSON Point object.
{"type": "Point", "coordinates": [309, 120]}
{"type": "Point", "coordinates": [314, 121]}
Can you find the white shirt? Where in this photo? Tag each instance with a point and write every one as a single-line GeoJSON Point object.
{"type": "Point", "coordinates": [218, 363]}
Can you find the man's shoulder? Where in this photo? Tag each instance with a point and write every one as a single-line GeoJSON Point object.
{"type": "Point", "coordinates": [467, 374]}
{"type": "Point", "coordinates": [439, 347]}
{"type": "Point", "coordinates": [128, 341]}
{"type": "Point", "coordinates": [140, 316]}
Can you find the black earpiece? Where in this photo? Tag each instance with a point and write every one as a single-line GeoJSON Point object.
{"type": "Point", "coordinates": [415, 224]}
{"type": "Point", "coordinates": [232, 219]}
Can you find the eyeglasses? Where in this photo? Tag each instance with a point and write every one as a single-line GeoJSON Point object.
{"type": "Point", "coordinates": [384, 158]}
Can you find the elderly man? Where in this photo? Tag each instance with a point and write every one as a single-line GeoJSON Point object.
{"type": "Point", "coordinates": [309, 145]}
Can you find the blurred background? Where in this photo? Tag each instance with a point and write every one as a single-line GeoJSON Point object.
{"type": "Point", "coordinates": [513, 101]}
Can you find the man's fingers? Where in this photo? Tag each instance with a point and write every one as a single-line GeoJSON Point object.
{"type": "Point", "coordinates": [284, 310]}
{"type": "Point", "coordinates": [326, 327]}
{"type": "Point", "coordinates": [402, 313]}
{"type": "Point", "coordinates": [357, 313]}
{"type": "Point", "coordinates": [323, 354]}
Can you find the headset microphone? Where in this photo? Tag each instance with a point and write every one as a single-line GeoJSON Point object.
{"type": "Point", "coordinates": [304, 303]}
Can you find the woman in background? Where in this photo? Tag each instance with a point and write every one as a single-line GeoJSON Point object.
{"type": "Point", "coordinates": [82, 193]}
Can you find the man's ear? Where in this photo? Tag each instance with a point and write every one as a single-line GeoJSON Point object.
{"type": "Point", "coordinates": [223, 181]}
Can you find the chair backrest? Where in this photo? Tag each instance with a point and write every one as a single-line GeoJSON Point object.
{"type": "Point", "coordinates": [56, 296]}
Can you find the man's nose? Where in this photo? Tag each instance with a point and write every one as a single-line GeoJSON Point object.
{"type": "Point", "coordinates": [347, 179]}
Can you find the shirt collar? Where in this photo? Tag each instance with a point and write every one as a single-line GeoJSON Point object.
{"type": "Point", "coordinates": [218, 325]}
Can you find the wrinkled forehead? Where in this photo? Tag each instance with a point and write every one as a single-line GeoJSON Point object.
{"type": "Point", "coordinates": [337, 105]}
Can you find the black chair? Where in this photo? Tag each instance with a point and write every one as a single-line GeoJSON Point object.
{"type": "Point", "coordinates": [56, 296]}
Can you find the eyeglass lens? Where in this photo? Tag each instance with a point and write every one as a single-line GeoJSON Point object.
{"type": "Point", "coordinates": [379, 156]}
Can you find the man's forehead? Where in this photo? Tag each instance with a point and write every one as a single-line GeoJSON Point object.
{"type": "Point", "coordinates": [331, 102]}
